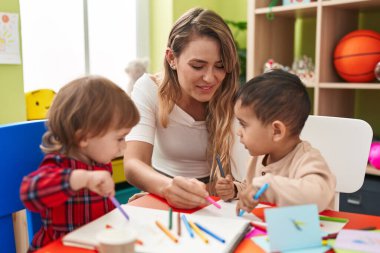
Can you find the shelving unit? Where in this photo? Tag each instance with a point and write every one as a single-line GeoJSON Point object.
{"type": "Point", "coordinates": [275, 39]}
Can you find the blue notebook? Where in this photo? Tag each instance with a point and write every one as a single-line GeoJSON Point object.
{"type": "Point", "coordinates": [293, 228]}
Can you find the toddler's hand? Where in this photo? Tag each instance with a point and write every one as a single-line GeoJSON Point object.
{"type": "Point", "coordinates": [246, 201]}
{"type": "Point", "coordinates": [101, 182]}
{"type": "Point", "coordinates": [225, 188]}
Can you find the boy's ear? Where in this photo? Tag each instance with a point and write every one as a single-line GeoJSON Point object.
{"type": "Point", "coordinates": [80, 139]}
{"type": "Point", "coordinates": [279, 130]}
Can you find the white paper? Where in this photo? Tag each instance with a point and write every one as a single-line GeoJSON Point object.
{"type": "Point", "coordinates": [142, 220]}
{"type": "Point", "coordinates": [360, 240]}
{"type": "Point", "coordinates": [9, 39]}
{"type": "Point", "coordinates": [228, 210]}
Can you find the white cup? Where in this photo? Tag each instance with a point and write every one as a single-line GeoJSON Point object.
{"type": "Point", "coordinates": [116, 240]}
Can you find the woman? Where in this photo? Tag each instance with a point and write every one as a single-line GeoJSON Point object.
{"type": "Point", "coordinates": [187, 114]}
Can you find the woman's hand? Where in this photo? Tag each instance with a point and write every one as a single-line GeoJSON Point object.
{"type": "Point", "coordinates": [185, 193]}
{"type": "Point", "coordinates": [225, 188]}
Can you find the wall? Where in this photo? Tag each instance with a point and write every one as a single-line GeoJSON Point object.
{"type": "Point", "coordinates": [165, 12]}
{"type": "Point", "coordinates": [12, 100]}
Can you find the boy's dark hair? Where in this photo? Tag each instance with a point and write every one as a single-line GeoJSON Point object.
{"type": "Point", "coordinates": [277, 95]}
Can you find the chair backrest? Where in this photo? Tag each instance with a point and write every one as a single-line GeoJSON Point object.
{"type": "Point", "coordinates": [19, 155]}
{"type": "Point", "coordinates": [345, 145]}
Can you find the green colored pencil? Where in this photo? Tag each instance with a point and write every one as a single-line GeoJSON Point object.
{"type": "Point", "coordinates": [328, 218]}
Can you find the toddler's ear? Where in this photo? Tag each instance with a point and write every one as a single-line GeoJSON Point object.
{"type": "Point", "coordinates": [81, 139]}
{"type": "Point", "coordinates": [279, 130]}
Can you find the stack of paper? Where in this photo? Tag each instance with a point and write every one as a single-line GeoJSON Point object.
{"type": "Point", "coordinates": [153, 239]}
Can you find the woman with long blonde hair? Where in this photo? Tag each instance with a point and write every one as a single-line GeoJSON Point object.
{"type": "Point", "coordinates": [186, 113]}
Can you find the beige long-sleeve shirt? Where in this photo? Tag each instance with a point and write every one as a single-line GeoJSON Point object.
{"type": "Point", "coordinates": [301, 177]}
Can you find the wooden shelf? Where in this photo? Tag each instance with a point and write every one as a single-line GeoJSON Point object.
{"type": "Point", "coordinates": [275, 39]}
{"type": "Point", "coordinates": [366, 86]}
{"type": "Point", "coordinates": [300, 10]}
{"type": "Point", "coordinates": [351, 4]}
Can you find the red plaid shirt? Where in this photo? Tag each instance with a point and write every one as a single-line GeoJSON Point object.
{"type": "Point", "coordinates": [47, 191]}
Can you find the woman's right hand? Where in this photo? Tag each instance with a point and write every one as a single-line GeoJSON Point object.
{"type": "Point", "coordinates": [185, 193]}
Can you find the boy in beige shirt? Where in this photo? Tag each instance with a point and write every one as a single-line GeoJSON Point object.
{"type": "Point", "coordinates": [272, 109]}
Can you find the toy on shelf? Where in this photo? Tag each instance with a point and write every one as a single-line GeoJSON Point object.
{"type": "Point", "coordinates": [272, 64]}
{"type": "Point", "coordinates": [356, 56]}
{"type": "Point", "coordinates": [134, 70]}
{"type": "Point", "coordinates": [38, 103]}
{"type": "Point", "coordinates": [302, 67]}
{"type": "Point", "coordinates": [374, 155]}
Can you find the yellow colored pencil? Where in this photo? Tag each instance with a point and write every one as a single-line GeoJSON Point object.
{"type": "Point", "coordinates": [198, 232]}
{"type": "Point", "coordinates": [166, 231]}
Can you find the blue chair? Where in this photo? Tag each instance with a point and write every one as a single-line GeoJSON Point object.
{"type": "Point", "coordinates": [19, 155]}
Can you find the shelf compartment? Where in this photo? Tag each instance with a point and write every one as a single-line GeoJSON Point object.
{"type": "Point", "coordinates": [274, 39]}
{"type": "Point", "coordinates": [352, 4]}
{"type": "Point", "coordinates": [345, 18]}
{"type": "Point", "coordinates": [300, 10]}
{"type": "Point", "coordinates": [336, 102]}
{"type": "Point", "coordinates": [264, 4]}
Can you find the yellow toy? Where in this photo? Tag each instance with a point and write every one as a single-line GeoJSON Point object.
{"type": "Point", "coordinates": [38, 103]}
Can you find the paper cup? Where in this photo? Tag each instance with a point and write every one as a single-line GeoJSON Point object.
{"type": "Point", "coordinates": [116, 240]}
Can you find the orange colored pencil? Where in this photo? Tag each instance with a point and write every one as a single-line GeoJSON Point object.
{"type": "Point", "coordinates": [166, 231]}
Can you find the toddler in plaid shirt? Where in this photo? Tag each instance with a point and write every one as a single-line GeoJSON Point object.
{"type": "Point", "coordinates": [86, 127]}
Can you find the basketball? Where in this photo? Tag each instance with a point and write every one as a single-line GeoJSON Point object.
{"type": "Point", "coordinates": [356, 56]}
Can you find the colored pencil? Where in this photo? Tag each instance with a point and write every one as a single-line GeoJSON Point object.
{"type": "Point", "coordinates": [210, 200]}
{"type": "Point", "coordinates": [207, 231]}
{"type": "Point", "coordinates": [198, 232]}
{"type": "Point", "coordinates": [117, 204]}
{"type": "Point", "coordinates": [260, 225]}
{"type": "Point", "coordinates": [250, 233]}
{"type": "Point", "coordinates": [170, 218]}
{"type": "Point", "coordinates": [336, 219]}
{"type": "Point", "coordinates": [187, 225]}
{"type": "Point", "coordinates": [257, 195]}
{"type": "Point", "coordinates": [166, 231]}
{"type": "Point", "coordinates": [220, 165]}
{"type": "Point", "coordinates": [179, 224]}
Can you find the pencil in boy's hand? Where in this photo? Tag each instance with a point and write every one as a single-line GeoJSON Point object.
{"type": "Point", "coordinates": [257, 195]}
{"type": "Point", "coordinates": [220, 165]}
{"type": "Point", "coordinates": [117, 204]}
{"type": "Point", "coordinates": [211, 201]}
{"type": "Point", "coordinates": [166, 231]}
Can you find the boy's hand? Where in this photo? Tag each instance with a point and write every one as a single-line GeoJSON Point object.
{"type": "Point", "coordinates": [101, 182]}
{"type": "Point", "coordinates": [225, 188]}
{"type": "Point", "coordinates": [246, 201]}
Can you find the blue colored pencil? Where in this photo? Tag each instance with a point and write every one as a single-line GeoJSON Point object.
{"type": "Point", "coordinates": [220, 166]}
{"type": "Point", "coordinates": [187, 225]}
{"type": "Point", "coordinates": [209, 232]}
{"type": "Point", "coordinates": [257, 195]}
{"type": "Point", "coordinates": [117, 204]}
